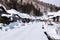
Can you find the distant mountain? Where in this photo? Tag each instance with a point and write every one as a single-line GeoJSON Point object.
{"type": "Point", "coordinates": [33, 7]}
{"type": "Point", "coordinates": [53, 2]}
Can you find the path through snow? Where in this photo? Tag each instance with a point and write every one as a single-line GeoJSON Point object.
{"type": "Point", "coordinates": [28, 32]}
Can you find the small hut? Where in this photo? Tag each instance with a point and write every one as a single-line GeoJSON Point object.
{"type": "Point", "coordinates": [55, 16]}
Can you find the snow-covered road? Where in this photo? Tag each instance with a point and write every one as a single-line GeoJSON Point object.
{"type": "Point", "coordinates": [27, 32]}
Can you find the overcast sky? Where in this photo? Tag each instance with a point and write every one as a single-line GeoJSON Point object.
{"type": "Point", "coordinates": [54, 2]}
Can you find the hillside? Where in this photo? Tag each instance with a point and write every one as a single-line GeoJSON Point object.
{"type": "Point", "coordinates": [32, 7]}
{"type": "Point", "coordinates": [53, 2]}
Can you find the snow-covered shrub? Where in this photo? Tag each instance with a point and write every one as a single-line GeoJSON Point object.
{"type": "Point", "coordinates": [4, 20]}
{"type": "Point", "coordinates": [58, 30]}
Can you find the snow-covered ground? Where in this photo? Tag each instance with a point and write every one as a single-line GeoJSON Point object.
{"type": "Point", "coordinates": [23, 15]}
{"type": "Point", "coordinates": [31, 31]}
{"type": "Point", "coordinates": [22, 31]}
{"type": "Point", "coordinates": [28, 31]}
{"type": "Point", "coordinates": [51, 30]}
{"type": "Point", "coordinates": [54, 2]}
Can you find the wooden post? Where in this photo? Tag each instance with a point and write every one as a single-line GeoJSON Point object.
{"type": "Point", "coordinates": [57, 18]}
{"type": "Point", "coordinates": [54, 18]}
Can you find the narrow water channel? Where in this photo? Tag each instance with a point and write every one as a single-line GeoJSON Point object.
{"type": "Point", "coordinates": [49, 38]}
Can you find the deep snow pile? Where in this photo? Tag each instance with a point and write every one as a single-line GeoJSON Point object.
{"type": "Point", "coordinates": [23, 15]}
{"type": "Point", "coordinates": [51, 30]}
{"type": "Point", "coordinates": [53, 14]}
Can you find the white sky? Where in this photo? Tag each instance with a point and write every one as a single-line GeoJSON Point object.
{"type": "Point", "coordinates": [54, 2]}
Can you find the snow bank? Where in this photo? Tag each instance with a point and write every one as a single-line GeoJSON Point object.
{"type": "Point", "coordinates": [51, 30]}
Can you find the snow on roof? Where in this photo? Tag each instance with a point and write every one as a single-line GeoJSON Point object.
{"type": "Point", "coordinates": [23, 15]}
{"type": "Point", "coordinates": [53, 2]}
{"type": "Point", "coordinates": [51, 13]}
{"type": "Point", "coordinates": [12, 11]}
{"type": "Point", "coordinates": [3, 6]}
{"type": "Point", "coordinates": [6, 15]}
{"type": "Point", "coordinates": [54, 14]}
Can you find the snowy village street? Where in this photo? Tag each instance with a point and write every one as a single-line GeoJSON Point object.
{"type": "Point", "coordinates": [29, 20]}
{"type": "Point", "coordinates": [28, 32]}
